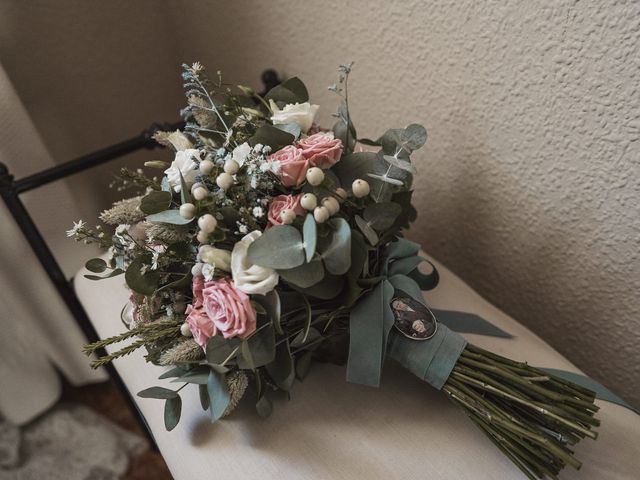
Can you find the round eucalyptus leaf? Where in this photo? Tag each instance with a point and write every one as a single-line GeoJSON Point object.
{"type": "Point", "coordinates": [365, 228]}
{"type": "Point", "coordinates": [144, 283]}
{"type": "Point", "coordinates": [310, 236]}
{"type": "Point", "coordinates": [155, 202]}
{"type": "Point", "coordinates": [96, 265]}
{"type": "Point", "coordinates": [337, 253]}
{"type": "Point", "coordinates": [381, 216]}
{"type": "Point", "coordinates": [272, 136]}
{"type": "Point", "coordinates": [291, 91]}
{"type": "Point", "coordinates": [168, 216]}
{"type": "Point", "coordinates": [279, 247]}
{"type": "Point", "coordinates": [305, 275]}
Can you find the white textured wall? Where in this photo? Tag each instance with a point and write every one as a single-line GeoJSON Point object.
{"type": "Point", "coordinates": [530, 182]}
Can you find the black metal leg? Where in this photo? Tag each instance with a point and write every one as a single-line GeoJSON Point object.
{"type": "Point", "coordinates": [64, 288]}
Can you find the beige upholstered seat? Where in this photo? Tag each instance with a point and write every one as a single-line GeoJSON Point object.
{"type": "Point", "coordinates": [333, 430]}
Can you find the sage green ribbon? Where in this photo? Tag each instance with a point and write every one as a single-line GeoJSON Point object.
{"type": "Point", "coordinates": [372, 337]}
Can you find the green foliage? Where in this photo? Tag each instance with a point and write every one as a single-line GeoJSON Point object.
{"type": "Point", "coordinates": [158, 392]}
{"type": "Point", "coordinates": [270, 135]}
{"type": "Point", "coordinates": [310, 236]}
{"type": "Point", "coordinates": [305, 275]}
{"type": "Point", "coordinates": [172, 217]}
{"type": "Point", "coordinates": [218, 395]}
{"type": "Point", "coordinates": [155, 202]}
{"type": "Point", "coordinates": [336, 254]}
{"type": "Point", "coordinates": [279, 247]}
{"type": "Point", "coordinates": [172, 412]}
{"type": "Point", "coordinates": [145, 283]}
{"type": "Point", "coordinates": [292, 90]}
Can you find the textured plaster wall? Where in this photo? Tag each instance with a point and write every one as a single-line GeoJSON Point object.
{"type": "Point", "coordinates": [530, 181]}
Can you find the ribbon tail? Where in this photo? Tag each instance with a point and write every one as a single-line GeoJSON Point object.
{"type": "Point", "coordinates": [368, 334]}
{"type": "Point", "coordinates": [463, 322]}
{"type": "Point", "coordinates": [602, 392]}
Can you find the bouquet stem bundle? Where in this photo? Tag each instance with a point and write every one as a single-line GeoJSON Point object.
{"type": "Point", "coordinates": [531, 416]}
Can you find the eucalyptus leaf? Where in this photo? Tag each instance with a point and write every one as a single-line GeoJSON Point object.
{"type": "Point", "coordinates": [303, 365]}
{"type": "Point", "coordinates": [219, 349]}
{"type": "Point", "coordinates": [292, 90]}
{"type": "Point", "coordinates": [96, 265]}
{"type": "Point", "coordinates": [185, 195]}
{"type": "Point", "coordinates": [358, 254]}
{"type": "Point", "coordinates": [326, 289]}
{"type": "Point", "coordinates": [306, 338]}
{"type": "Point", "coordinates": [157, 392]}
{"type": "Point", "coordinates": [115, 272]}
{"type": "Point", "coordinates": [197, 375]}
{"type": "Point", "coordinates": [310, 236]}
{"type": "Point", "coordinates": [279, 247]}
{"type": "Point", "coordinates": [387, 179]}
{"type": "Point", "coordinates": [172, 217]}
{"type": "Point", "coordinates": [400, 163]}
{"type": "Point", "coordinates": [292, 128]}
{"type": "Point", "coordinates": [144, 283]}
{"type": "Point", "coordinates": [272, 136]}
{"type": "Point", "coordinates": [204, 396]}
{"type": "Point", "coordinates": [305, 275]}
{"type": "Point", "coordinates": [155, 202]}
{"type": "Point", "coordinates": [381, 216]}
{"type": "Point", "coordinates": [281, 370]}
{"type": "Point", "coordinates": [174, 372]}
{"type": "Point", "coordinates": [271, 304]}
{"type": "Point", "coordinates": [264, 407]}
{"type": "Point", "coordinates": [172, 412]}
{"type": "Point", "coordinates": [337, 254]}
{"type": "Point", "coordinates": [219, 397]}
{"type": "Point", "coordinates": [259, 349]}
{"type": "Point", "coordinates": [365, 228]}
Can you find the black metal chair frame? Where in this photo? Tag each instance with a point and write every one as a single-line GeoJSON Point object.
{"type": "Point", "coordinates": [10, 190]}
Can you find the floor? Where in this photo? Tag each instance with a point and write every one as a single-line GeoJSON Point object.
{"type": "Point", "coordinates": [105, 399]}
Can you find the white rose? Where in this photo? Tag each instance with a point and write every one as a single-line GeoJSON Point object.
{"type": "Point", "coordinates": [300, 113]}
{"type": "Point", "coordinates": [248, 278]}
{"type": "Point", "coordinates": [183, 163]}
{"type": "Point", "coordinates": [240, 153]}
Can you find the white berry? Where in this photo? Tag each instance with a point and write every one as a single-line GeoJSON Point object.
{"type": "Point", "coordinates": [207, 223]}
{"type": "Point", "coordinates": [331, 204]}
{"type": "Point", "coordinates": [224, 181]}
{"type": "Point", "coordinates": [315, 176]}
{"type": "Point", "coordinates": [206, 167]}
{"type": "Point", "coordinates": [321, 214]}
{"type": "Point", "coordinates": [187, 211]}
{"type": "Point", "coordinates": [360, 188]}
{"type": "Point", "coordinates": [231, 167]}
{"type": "Point", "coordinates": [309, 201]}
{"type": "Point", "coordinates": [196, 270]}
{"type": "Point", "coordinates": [202, 237]}
{"type": "Point", "coordinates": [185, 330]}
{"type": "Point", "coordinates": [287, 216]}
{"type": "Point", "coordinates": [200, 193]}
{"type": "Point", "coordinates": [342, 193]}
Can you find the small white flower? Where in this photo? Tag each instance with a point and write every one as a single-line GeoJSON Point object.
{"type": "Point", "coordinates": [242, 228]}
{"type": "Point", "coordinates": [77, 226]}
{"type": "Point", "coordinates": [257, 148]}
{"type": "Point", "coordinates": [183, 164]}
{"type": "Point", "coordinates": [208, 271]}
{"type": "Point", "coordinates": [154, 260]}
{"type": "Point", "coordinates": [258, 212]}
{"type": "Point", "coordinates": [300, 113]}
{"type": "Point", "coordinates": [249, 278]}
{"type": "Point", "coordinates": [240, 153]}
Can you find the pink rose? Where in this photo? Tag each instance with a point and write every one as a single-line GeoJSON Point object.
{"type": "Point", "coordinates": [197, 285]}
{"type": "Point", "coordinates": [229, 309]}
{"type": "Point", "coordinates": [201, 326]}
{"type": "Point", "coordinates": [281, 203]}
{"type": "Point", "coordinates": [321, 149]}
{"type": "Point", "coordinates": [293, 165]}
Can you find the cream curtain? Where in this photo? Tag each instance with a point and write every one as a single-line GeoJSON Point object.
{"type": "Point", "coordinates": [37, 334]}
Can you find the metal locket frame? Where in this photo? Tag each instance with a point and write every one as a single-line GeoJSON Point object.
{"type": "Point", "coordinates": [409, 322]}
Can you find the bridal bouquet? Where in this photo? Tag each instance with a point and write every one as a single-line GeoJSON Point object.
{"type": "Point", "coordinates": [269, 242]}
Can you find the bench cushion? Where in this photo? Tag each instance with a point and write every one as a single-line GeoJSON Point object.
{"type": "Point", "coordinates": [332, 429]}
